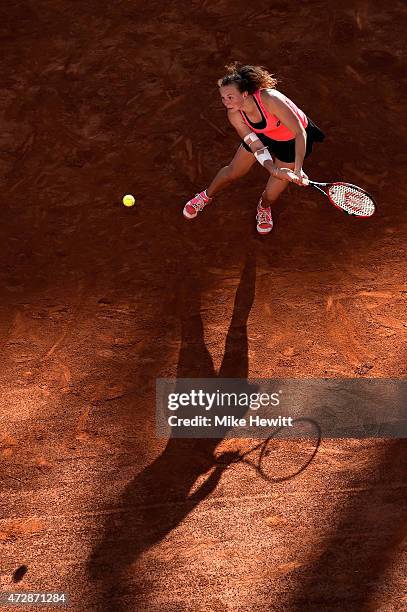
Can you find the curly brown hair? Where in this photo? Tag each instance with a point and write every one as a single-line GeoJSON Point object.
{"type": "Point", "coordinates": [247, 78]}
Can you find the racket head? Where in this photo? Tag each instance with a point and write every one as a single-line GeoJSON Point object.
{"type": "Point", "coordinates": [350, 199]}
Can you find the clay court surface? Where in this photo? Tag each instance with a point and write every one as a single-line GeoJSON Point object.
{"type": "Point", "coordinates": [97, 301]}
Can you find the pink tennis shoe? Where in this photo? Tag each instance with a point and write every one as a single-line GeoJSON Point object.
{"type": "Point", "coordinates": [194, 206]}
{"type": "Point", "coordinates": [200, 200]}
{"type": "Point", "coordinates": [264, 219]}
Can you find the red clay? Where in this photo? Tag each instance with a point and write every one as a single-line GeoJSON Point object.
{"type": "Point", "coordinates": [98, 300]}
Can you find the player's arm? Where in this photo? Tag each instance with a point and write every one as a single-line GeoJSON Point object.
{"type": "Point", "coordinates": [258, 149]}
{"type": "Point", "coordinates": [278, 107]}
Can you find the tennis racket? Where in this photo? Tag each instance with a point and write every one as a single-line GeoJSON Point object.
{"type": "Point", "coordinates": [347, 197]}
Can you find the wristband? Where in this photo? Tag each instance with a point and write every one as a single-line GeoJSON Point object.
{"type": "Point", "coordinates": [263, 155]}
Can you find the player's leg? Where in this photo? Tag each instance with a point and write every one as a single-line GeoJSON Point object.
{"type": "Point", "coordinates": [273, 190]}
{"type": "Point", "coordinates": [238, 167]}
{"type": "Point", "coordinates": [275, 186]}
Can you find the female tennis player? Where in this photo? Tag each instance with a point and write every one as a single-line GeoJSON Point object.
{"type": "Point", "coordinates": [274, 131]}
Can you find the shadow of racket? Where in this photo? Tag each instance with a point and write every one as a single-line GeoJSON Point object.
{"type": "Point", "coordinates": [259, 456]}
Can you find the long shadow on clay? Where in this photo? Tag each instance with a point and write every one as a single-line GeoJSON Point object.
{"type": "Point", "coordinates": [158, 499]}
{"type": "Point", "coordinates": [370, 531]}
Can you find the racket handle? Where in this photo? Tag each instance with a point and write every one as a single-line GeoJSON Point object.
{"type": "Point", "coordinates": [306, 181]}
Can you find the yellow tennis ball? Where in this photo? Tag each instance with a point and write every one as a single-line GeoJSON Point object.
{"type": "Point", "coordinates": [128, 200]}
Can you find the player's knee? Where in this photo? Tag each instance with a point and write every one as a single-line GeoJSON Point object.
{"type": "Point", "coordinates": [231, 173]}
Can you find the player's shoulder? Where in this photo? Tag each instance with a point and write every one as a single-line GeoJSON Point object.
{"type": "Point", "coordinates": [270, 94]}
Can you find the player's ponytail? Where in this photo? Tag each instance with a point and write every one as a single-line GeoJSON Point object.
{"type": "Point", "coordinates": [247, 78]}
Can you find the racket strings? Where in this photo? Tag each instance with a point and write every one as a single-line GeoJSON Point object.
{"type": "Point", "coordinates": [352, 200]}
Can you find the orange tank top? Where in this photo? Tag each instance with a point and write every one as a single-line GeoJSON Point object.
{"type": "Point", "coordinates": [270, 125]}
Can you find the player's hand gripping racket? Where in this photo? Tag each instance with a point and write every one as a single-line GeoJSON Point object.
{"type": "Point", "coordinates": [347, 197]}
